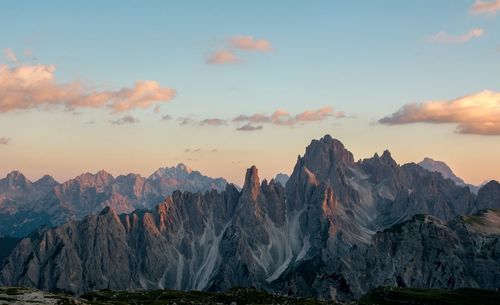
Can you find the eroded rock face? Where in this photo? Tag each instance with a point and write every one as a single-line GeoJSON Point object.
{"type": "Point", "coordinates": [339, 227]}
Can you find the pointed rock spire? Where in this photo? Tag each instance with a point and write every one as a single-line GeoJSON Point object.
{"type": "Point", "coordinates": [251, 187]}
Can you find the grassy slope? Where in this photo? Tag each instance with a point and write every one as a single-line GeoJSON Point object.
{"type": "Point", "coordinates": [244, 296]}
{"type": "Point", "coordinates": [464, 296]}
{"type": "Point", "coordinates": [241, 296]}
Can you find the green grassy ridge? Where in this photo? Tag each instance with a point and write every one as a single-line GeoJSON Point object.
{"type": "Point", "coordinates": [241, 296]}
{"type": "Point", "coordinates": [416, 296]}
{"type": "Point", "coordinates": [248, 296]}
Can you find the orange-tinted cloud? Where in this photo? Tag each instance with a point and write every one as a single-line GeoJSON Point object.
{"type": "Point", "coordinates": [227, 53]}
{"type": "Point", "coordinates": [443, 37]}
{"type": "Point", "coordinates": [485, 7]}
{"type": "Point", "coordinates": [144, 94]}
{"type": "Point", "coordinates": [478, 113]}
{"type": "Point", "coordinates": [222, 57]}
{"type": "Point", "coordinates": [248, 43]}
{"type": "Point", "coordinates": [34, 87]}
{"type": "Point", "coordinates": [283, 117]}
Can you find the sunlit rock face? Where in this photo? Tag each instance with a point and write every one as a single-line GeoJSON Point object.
{"type": "Point", "coordinates": [24, 205]}
{"type": "Point", "coordinates": [339, 227]}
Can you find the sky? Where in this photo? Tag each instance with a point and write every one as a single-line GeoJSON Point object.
{"type": "Point", "coordinates": [131, 86]}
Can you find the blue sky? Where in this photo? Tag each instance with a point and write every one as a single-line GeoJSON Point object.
{"type": "Point", "coordinates": [364, 58]}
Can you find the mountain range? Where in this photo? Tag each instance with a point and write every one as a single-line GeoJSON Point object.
{"type": "Point", "coordinates": [337, 229]}
{"type": "Point", "coordinates": [26, 205]}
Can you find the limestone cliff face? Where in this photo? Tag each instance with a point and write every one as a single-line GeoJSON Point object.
{"type": "Point", "coordinates": [427, 252]}
{"type": "Point", "coordinates": [338, 228]}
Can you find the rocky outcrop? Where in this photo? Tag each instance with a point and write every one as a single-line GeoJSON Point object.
{"type": "Point", "coordinates": [338, 229]}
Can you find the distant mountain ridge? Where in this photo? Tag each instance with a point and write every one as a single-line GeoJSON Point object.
{"type": "Point", "coordinates": [336, 230]}
{"type": "Point", "coordinates": [282, 178]}
{"type": "Point", "coordinates": [443, 168]}
{"type": "Point", "coordinates": [25, 205]}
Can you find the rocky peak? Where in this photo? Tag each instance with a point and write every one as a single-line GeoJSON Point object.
{"type": "Point", "coordinates": [384, 159]}
{"type": "Point", "coordinates": [381, 168]}
{"type": "Point", "coordinates": [387, 158]}
{"type": "Point", "coordinates": [184, 168]}
{"type": "Point", "coordinates": [282, 178]}
{"type": "Point", "coordinates": [99, 179]}
{"type": "Point", "coordinates": [325, 156]}
{"type": "Point", "coordinates": [251, 187]}
{"type": "Point", "coordinates": [46, 180]}
{"type": "Point", "coordinates": [493, 185]}
{"type": "Point", "coordinates": [442, 168]}
{"type": "Point", "coordinates": [181, 171]}
{"type": "Point", "coordinates": [328, 147]}
{"type": "Point", "coordinates": [16, 179]}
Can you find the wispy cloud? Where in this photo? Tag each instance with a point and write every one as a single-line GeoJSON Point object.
{"type": "Point", "coordinates": [213, 122]}
{"type": "Point", "coordinates": [166, 117]}
{"type": "Point", "coordinates": [485, 7]}
{"type": "Point", "coordinates": [4, 141]}
{"type": "Point", "coordinates": [34, 87]}
{"type": "Point", "coordinates": [248, 43]}
{"type": "Point", "coordinates": [443, 37]}
{"type": "Point", "coordinates": [283, 117]}
{"type": "Point", "coordinates": [250, 127]}
{"type": "Point", "coordinates": [10, 55]}
{"type": "Point", "coordinates": [128, 119]}
{"type": "Point", "coordinates": [227, 52]}
{"type": "Point", "coordinates": [223, 57]}
{"type": "Point", "coordinates": [477, 113]}
{"type": "Point", "coordinates": [256, 121]}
